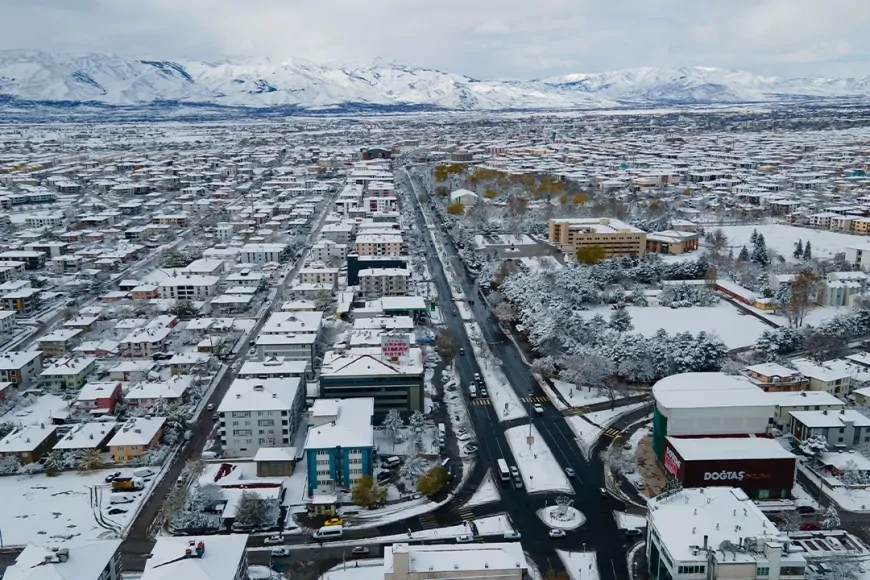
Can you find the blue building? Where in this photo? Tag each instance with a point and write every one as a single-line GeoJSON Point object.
{"type": "Point", "coordinates": [339, 448]}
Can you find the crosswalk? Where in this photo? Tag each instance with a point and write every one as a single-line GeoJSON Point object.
{"type": "Point", "coordinates": [536, 399]}
{"type": "Point", "coordinates": [466, 513]}
{"type": "Point", "coordinates": [480, 402]}
{"type": "Point", "coordinates": [612, 432]}
{"type": "Point", "coordinates": [428, 521]}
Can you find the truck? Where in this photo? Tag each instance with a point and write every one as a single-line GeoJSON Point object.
{"type": "Point", "coordinates": [127, 484]}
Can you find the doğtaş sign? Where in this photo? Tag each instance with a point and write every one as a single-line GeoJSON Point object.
{"type": "Point", "coordinates": [672, 462]}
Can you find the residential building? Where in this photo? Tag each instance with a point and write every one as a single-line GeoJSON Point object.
{"type": "Point", "coordinates": [378, 282]}
{"type": "Point", "coordinates": [716, 533]}
{"type": "Point", "coordinates": [833, 376]}
{"type": "Point", "coordinates": [69, 560]}
{"type": "Point", "coordinates": [378, 245]}
{"type": "Point", "coordinates": [246, 279]}
{"type": "Point", "coordinates": [859, 255]}
{"type": "Point", "coordinates": [68, 374]}
{"type": "Point", "coordinates": [616, 238]}
{"type": "Point", "coordinates": [87, 436]}
{"type": "Point", "coordinates": [99, 398]}
{"type": "Point", "coordinates": [787, 401]}
{"type": "Point", "coordinates": [391, 374]}
{"type": "Point", "coordinates": [275, 367]}
{"type": "Point", "coordinates": [135, 437]}
{"type": "Point", "coordinates": [29, 444]}
{"type": "Point", "coordinates": [60, 342]}
{"type": "Point", "coordinates": [7, 322]}
{"type": "Point", "coordinates": [339, 446]}
{"type": "Point", "coordinates": [32, 260]}
{"type": "Point", "coordinates": [328, 252]}
{"type": "Point", "coordinates": [672, 242]}
{"type": "Point", "coordinates": [24, 301]}
{"type": "Point", "coordinates": [773, 377]}
{"type": "Point", "coordinates": [262, 253]}
{"type": "Point", "coordinates": [841, 429]}
{"type": "Point", "coordinates": [188, 287]}
{"type": "Point", "coordinates": [145, 342]}
{"type": "Point", "coordinates": [146, 394]}
{"type": "Point", "coordinates": [259, 413]}
{"type": "Point", "coordinates": [501, 560]}
{"type": "Point", "coordinates": [319, 275]}
{"type": "Point", "coordinates": [192, 558]}
{"type": "Point", "coordinates": [20, 367]}
{"type": "Point", "coordinates": [356, 264]}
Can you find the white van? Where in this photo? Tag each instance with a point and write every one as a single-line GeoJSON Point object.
{"type": "Point", "coordinates": [391, 462]}
{"type": "Point", "coordinates": [329, 533]}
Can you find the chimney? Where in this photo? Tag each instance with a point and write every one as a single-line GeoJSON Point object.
{"type": "Point", "coordinates": [705, 543]}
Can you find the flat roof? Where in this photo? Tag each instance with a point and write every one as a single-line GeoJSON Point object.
{"type": "Point", "coordinates": [705, 390]}
{"type": "Point", "coordinates": [450, 558]}
{"type": "Point", "coordinates": [728, 448]}
{"type": "Point", "coordinates": [260, 395]}
{"type": "Point", "coordinates": [220, 559]}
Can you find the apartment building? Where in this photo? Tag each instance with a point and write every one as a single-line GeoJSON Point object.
{"type": "Point", "coordinates": [209, 557]}
{"type": "Point", "coordinates": [71, 560]}
{"type": "Point", "coordinates": [135, 437]}
{"type": "Point", "coordinates": [31, 260]}
{"type": "Point", "coordinates": [339, 446]}
{"type": "Point", "coordinates": [259, 413]}
{"type": "Point", "coordinates": [24, 301]}
{"type": "Point", "coordinates": [68, 374]}
{"type": "Point", "coordinates": [773, 377]}
{"type": "Point", "coordinates": [60, 342]}
{"type": "Point", "coordinates": [262, 253]}
{"type": "Point", "coordinates": [319, 275]}
{"type": "Point", "coordinates": [28, 444]}
{"type": "Point", "coordinates": [21, 368]}
{"type": "Point", "coordinates": [188, 287]}
{"type": "Point", "coordinates": [378, 282]}
{"type": "Point", "coordinates": [501, 560]}
{"type": "Point", "coordinates": [326, 251]}
{"type": "Point", "coordinates": [378, 245]}
{"type": "Point", "coordinates": [7, 322]}
{"type": "Point", "coordinates": [615, 237]}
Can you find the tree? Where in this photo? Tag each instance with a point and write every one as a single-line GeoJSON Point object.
{"type": "Point", "coordinates": [753, 239]}
{"type": "Point", "coordinates": [433, 481]}
{"type": "Point", "coordinates": [799, 250]}
{"type": "Point", "coordinates": [802, 293]}
{"type": "Point", "coordinates": [814, 446]}
{"type": "Point", "coordinates": [593, 370]}
{"type": "Point", "coordinates": [544, 366]}
{"type": "Point", "coordinates": [490, 194]}
{"type": "Point", "coordinates": [790, 521]}
{"type": "Point", "coordinates": [367, 493]}
{"type": "Point", "coordinates": [717, 241]}
{"type": "Point", "coordinates": [414, 468]}
{"type": "Point", "coordinates": [590, 255]}
{"type": "Point", "coordinates": [445, 344]}
{"type": "Point", "coordinates": [743, 256]}
{"type": "Point", "coordinates": [249, 511]}
{"type": "Point", "coordinates": [456, 208]}
{"type": "Point", "coordinates": [90, 459]}
{"type": "Point", "coordinates": [417, 423]}
{"type": "Point", "coordinates": [393, 424]}
{"type": "Point", "coordinates": [808, 251]}
{"type": "Point", "coordinates": [504, 312]}
{"type": "Point", "coordinates": [620, 320]}
{"type": "Point", "coordinates": [759, 251]}
{"type": "Point", "coordinates": [831, 519]}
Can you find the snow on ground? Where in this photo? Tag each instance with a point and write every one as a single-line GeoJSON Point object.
{"type": "Point", "coordinates": [504, 399]}
{"type": "Point", "coordinates": [356, 570]}
{"type": "Point", "coordinates": [465, 311]}
{"type": "Point", "coordinates": [541, 263]}
{"type": "Point", "coordinates": [539, 469]}
{"type": "Point", "coordinates": [802, 497]}
{"type": "Point", "coordinates": [572, 519]}
{"type": "Point", "coordinates": [734, 330]}
{"type": "Point", "coordinates": [580, 396]}
{"type": "Point", "coordinates": [782, 239]}
{"type": "Point", "coordinates": [587, 433]}
{"type": "Point", "coordinates": [580, 565]}
{"type": "Point", "coordinates": [486, 493]}
{"type": "Point", "coordinates": [404, 445]}
{"type": "Point", "coordinates": [66, 506]}
{"type": "Point", "coordinates": [35, 409]}
{"type": "Point", "coordinates": [456, 407]}
{"type": "Point", "coordinates": [626, 521]}
{"type": "Point", "coordinates": [853, 500]}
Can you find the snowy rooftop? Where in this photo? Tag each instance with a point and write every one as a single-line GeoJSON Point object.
{"type": "Point", "coordinates": [275, 454]}
{"type": "Point", "coordinates": [14, 360]}
{"type": "Point", "coordinates": [93, 391]}
{"type": "Point", "coordinates": [290, 322]}
{"type": "Point", "coordinates": [772, 370]}
{"type": "Point", "coordinates": [803, 398]}
{"type": "Point", "coordinates": [726, 448]}
{"type": "Point", "coordinates": [220, 559]}
{"type": "Point", "coordinates": [348, 423]}
{"type": "Point", "coordinates": [272, 366]}
{"type": "Point", "coordinates": [69, 366]}
{"type": "Point", "coordinates": [137, 431]}
{"type": "Point", "coordinates": [828, 371]}
{"type": "Point", "coordinates": [454, 558]}
{"type": "Point", "coordinates": [85, 435]}
{"type": "Point", "coordinates": [683, 520]}
{"type": "Point", "coordinates": [823, 419]}
{"type": "Point", "coordinates": [600, 225]}
{"type": "Point", "coordinates": [84, 560]}
{"type": "Point", "coordinates": [845, 461]}
{"type": "Point", "coordinates": [171, 389]}
{"type": "Point", "coordinates": [26, 439]}
{"type": "Point", "coordinates": [369, 361]}
{"type": "Point", "coordinates": [705, 390]}
{"type": "Point", "coordinates": [260, 395]}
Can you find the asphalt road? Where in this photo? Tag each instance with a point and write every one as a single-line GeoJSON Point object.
{"type": "Point", "coordinates": [137, 545]}
{"type": "Point", "coordinates": [600, 531]}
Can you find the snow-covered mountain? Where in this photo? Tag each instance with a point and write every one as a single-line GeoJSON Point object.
{"type": "Point", "coordinates": [32, 76]}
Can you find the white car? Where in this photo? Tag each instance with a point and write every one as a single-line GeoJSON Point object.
{"type": "Point", "coordinates": [512, 535]}
{"type": "Point", "coordinates": [280, 552]}
{"type": "Point", "coordinates": [464, 539]}
{"type": "Point", "coordinates": [463, 436]}
{"type": "Point", "coordinates": [276, 539]}
{"type": "Point", "coordinates": [557, 533]}
{"type": "Point", "coordinates": [539, 409]}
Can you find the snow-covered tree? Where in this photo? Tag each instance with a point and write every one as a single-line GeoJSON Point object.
{"type": "Point", "coordinates": [798, 250]}
{"type": "Point", "coordinates": [545, 366]}
{"type": "Point", "coordinates": [831, 519]}
{"type": "Point", "coordinates": [813, 446]}
{"type": "Point", "coordinates": [808, 251]}
{"type": "Point", "coordinates": [249, 510]}
{"type": "Point", "coordinates": [620, 320]}
{"type": "Point", "coordinates": [743, 256]}
{"type": "Point", "coordinates": [417, 423]}
{"type": "Point", "coordinates": [414, 468]}
{"type": "Point", "coordinates": [759, 251]}
{"type": "Point", "coordinates": [789, 521]}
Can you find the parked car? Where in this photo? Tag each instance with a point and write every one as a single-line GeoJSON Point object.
{"type": "Point", "coordinates": [483, 392]}
{"type": "Point", "coordinates": [514, 471]}
{"type": "Point", "coordinates": [276, 539]}
{"type": "Point", "coordinates": [209, 407]}
{"type": "Point", "coordinates": [557, 533]}
{"type": "Point", "coordinates": [461, 431]}
{"type": "Point", "coordinates": [121, 499]}
{"type": "Point", "coordinates": [539, 409]}
{"type": "Point", "coordinates": [333, 522]}
{"type": "Point", "coordinates": [471, 447]}
{"type": "Point", "coordinates": [112, 476]}
{"type": "Point", "coordinates": [115, 511]}
{"type": "Point", "coordinates": [810, 527]}
{"type": "Point", "coordinates": [806, 509]}
{"type": "Point", "coordinates": [464, 539]}
{"type": "Point", "coordinates": [360, 551]}
{"type": "Point", "coordinates": [280, 552]}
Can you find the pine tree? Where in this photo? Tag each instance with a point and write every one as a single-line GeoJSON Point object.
{"type": "Point", "coordinates": [831, 519]}
{"type": "Point", "coordinates": [754, 237]}
{"type": "Point", "coordinates": [808, 251]}
{"type": "Point", "coordinates": [759, 252]}
{"type": "Point", "coordinates": [743, 256]}
{"type": "Point", "coordinates": [620, 320]}
{"type": "Point", "coordinates": [392, 424]}
{"type": "Point", "coordinates": [799, 250]}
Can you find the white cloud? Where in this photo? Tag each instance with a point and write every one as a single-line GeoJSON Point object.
{"type": "Point", "coordinates": [483, 38]}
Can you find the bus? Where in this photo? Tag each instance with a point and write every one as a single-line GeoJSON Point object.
{"type": "Point", "coordinates": [503, 470]}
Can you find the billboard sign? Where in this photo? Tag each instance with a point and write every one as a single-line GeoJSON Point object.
{"type": "Point", "coordinates": [672, 462]}
{"type": "Point", "coordinates": [395, 346]}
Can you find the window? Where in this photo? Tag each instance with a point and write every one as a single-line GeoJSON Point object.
{"type": "Point", "coordinates": [241, 414]}
{"type": "Point", "coordinates": [842, 430]}
{"type": "Point", "coordinates": [762, 571]}
{"type": "Point", "coordinates": [241, 432]}
{"type": "Point", "coordinates": [699, 569]}
{"type": "Point", "coordinates": [265, 422]}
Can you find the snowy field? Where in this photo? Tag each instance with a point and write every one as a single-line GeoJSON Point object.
{"type": "Point", "coordinates": [504, 399]}
{"type": "Point", "coordinates": [486, 493]}
{"type": "Point", "coordinates": [587, 433]}
{"type": "Point", "coordinates": [539, 469]}
{"type": "Point", "coordinates": [404, 444]}
{"type": "Point", "coordinates": [541, 263]}
{"type": "Point", "coordinates": [782, 239]}
{"type": "Point", "coordinates": [580, 396]}
{"type": "Point", "coordinates": [734, 330]}
{"type": "Point", "coordinates": [580, 565]}
{"type": "Point", "coordinates": [626, 521]}
{"type": "Point", "coordinates": [70, 505]}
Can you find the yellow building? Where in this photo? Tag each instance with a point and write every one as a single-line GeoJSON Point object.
{"type": "Point", "coordinates": [615, 237]}
{"type": "Point", "coordinates": [135, 437]}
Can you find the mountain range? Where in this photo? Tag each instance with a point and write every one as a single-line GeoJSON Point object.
{"type": "Point", "coordinates": [28, 77]}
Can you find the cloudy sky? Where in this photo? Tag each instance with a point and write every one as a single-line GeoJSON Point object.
{"type": "Point", "coordinates": [481, 38]}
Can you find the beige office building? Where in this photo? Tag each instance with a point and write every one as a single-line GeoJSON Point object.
{"type": "Point", "coordinates": [616, 237]}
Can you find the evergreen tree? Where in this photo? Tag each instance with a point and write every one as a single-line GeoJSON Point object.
{"type": "Point", "coordinates": [808, 251]}
{"type": "Point", "coordinates": [620, 320]}
{"type": "Point", "coordinates": [799, 250]}
{"type": "Point", "coordinates": [754, 237]}
{"type": "Point", "coordinates": [759, 252]}
{"type": "Point", "coordinates": [831, 519]}
{"type": "Point", "coordinates": [743, 256]}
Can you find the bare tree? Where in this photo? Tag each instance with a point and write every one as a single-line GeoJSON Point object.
{"type": "Point", "coordinates": [797, 298]}
{"type": "Point", "coordinates": [445, 344]}
{"type": "Point", "coordinates": [504, 312]}
{"type": "Point", "coordinates": [717, 242]}
{"type": "Point", "coordinates": [594, 371]}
